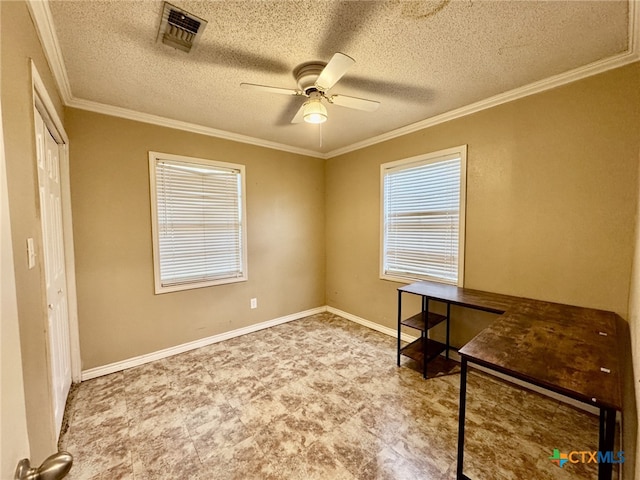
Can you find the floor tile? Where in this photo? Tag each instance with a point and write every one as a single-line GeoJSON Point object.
{"type": "Point", "coordinates": [317, 398]}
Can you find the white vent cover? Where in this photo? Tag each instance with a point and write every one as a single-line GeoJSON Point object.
{"type": "Point", "coordinates": [179, 28]}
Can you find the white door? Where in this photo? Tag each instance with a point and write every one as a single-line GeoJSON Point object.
{"type": "Point", "coordinates": [54, 263]}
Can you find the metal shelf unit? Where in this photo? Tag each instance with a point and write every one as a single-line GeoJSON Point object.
{"type": "Point", "coordinates": [424, 349]}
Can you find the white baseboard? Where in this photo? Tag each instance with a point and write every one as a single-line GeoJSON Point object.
{"type": "Point", "coordinates": [185, 347]}
{"type": "Point", "coordinates": [392, 332]}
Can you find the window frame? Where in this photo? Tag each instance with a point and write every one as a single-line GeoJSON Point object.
{"type": "Point", "coordinates": [154, 157]}
{"type": "Point", "coordinates": [433, 157]}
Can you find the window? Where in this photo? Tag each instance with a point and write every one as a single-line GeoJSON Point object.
{"type": "Point", "coordinates": [198, 218]}
{"type": "Point", "coordinates": [423, 211]}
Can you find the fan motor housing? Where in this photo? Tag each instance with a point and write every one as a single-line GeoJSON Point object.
{"type": "Point", "coordinates": [307, 74]}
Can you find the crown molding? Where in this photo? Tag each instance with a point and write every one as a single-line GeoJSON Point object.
{"type": "Point", "coordinates": [186, 126]}
{"type": "Point", "coordinates": [511, 95]}
{"type": "Point", "coordinates": [632, 54]}
{"type": "Point", "coordinates": [41, 15]}
{"type": "Point", "coordinates": [43, 20]}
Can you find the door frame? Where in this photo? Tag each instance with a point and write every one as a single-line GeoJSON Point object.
{"type": "Point", "coordinates": [42, 103]}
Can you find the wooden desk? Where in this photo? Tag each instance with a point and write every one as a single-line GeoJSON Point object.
{"type": "Point", "coordinates": [569, 350]}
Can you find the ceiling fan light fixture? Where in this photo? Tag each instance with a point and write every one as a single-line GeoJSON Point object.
{"type": "Point", "coordinates": [314, 112]}
{"type": "Point", "coordinates": [315, 79]}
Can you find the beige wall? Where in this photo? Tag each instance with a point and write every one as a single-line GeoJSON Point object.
{"type": "Point", "coordinates": [634, 324]}
{"type": "Point", "coordinates": [20, 44]}
{"type": "Point", "coordinates": [120, 316]}
{"type": "Point", "coordinates": [14, 439]}
{"type": "Point", "coordinates": [551, 194]}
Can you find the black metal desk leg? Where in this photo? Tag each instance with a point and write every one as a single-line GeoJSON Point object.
{"type": "Point", "coordinates": [425, 336]}
{"type": "Point", "coordinates": [399, 324]}
{"type": "Point", "coordinates": [461, 414]}
{"type": "Point", "coordinates": [448, 323]}
{"type": "Point", "coordinates": [606, 442]}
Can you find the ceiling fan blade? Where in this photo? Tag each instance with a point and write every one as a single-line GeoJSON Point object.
{"type": "Point", "coordinates": [335, 69]}
{"type": "Point", "coordinates": [298, 117]}
{"type": "Point", "coordinates": [265, 88]}
{"type": "Point", "coordinates": [354, 102]}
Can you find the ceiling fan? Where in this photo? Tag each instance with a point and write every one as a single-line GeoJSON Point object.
{"type": "Point", "coordinates": [315, 79]}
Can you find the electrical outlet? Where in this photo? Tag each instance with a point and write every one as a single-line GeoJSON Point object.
{"type": "Point", "coordinates": [254, 303]}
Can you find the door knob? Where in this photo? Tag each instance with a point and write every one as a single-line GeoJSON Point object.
{"type": "Point", "coordinates": [54, 467]}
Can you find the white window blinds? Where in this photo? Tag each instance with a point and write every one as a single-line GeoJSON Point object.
{"type": "Point", "coordinates": [199, 223]}
{"type": "Point", "coordinates": [422, 218]}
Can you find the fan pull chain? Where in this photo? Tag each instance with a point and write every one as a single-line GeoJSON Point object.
{"type": "Point", "coordinates": [320, 134]}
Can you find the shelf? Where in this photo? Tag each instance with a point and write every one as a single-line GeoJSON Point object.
{"type": "Point", "coordinates": [415, 349]}
{"type": "Point", "coordinates": [418, 320]}
{"type": "Point", "coordinates": [424, 349]}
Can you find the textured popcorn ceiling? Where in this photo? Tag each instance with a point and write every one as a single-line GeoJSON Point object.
{"type": "Point", "coordinates": [418, 58]}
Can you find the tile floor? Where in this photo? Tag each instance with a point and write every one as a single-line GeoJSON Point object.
{"type": "Point", "coordinates": [318, 398]}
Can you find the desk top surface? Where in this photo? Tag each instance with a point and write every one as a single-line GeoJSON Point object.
{"type": "Point", "coordinates": [570, 350]}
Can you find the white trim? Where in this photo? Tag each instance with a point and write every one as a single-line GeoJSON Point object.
{"type": "Point", "coordinates": [634, 28]}
{"type": "Point", "coordinates": [185, 347]}
{"type": "Point", "coordinates": [70, 265]}
{"type": "Point", "coordinates": [41, 15]}
{"type": "Point", "coordinates": [43, 103]}
{"type": "Point", "coordinates": [511, 95]}
{"type": "Point", "coordinates": [462, 219]}
{"type": "Point", "coordinates": [392, 332]}
{"type": "Point", "coordinates": [50, 114]}
{"type": "Point", "coordinates": [460, 152]}
{"type": "Point", "coordinates": [46, 32]}
{"type": "Point", "coordinates": [154, 158]}
{"type": "Point", "coordinates": [186, 126]}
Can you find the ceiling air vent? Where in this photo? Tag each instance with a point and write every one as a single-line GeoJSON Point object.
{"type": "Point", "coordinates": [179, 28]}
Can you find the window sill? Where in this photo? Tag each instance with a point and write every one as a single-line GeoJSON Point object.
{"type": "Point", "coordinates": [408, 280]}
{"type": "Point", "coordinates": [159, 289]}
